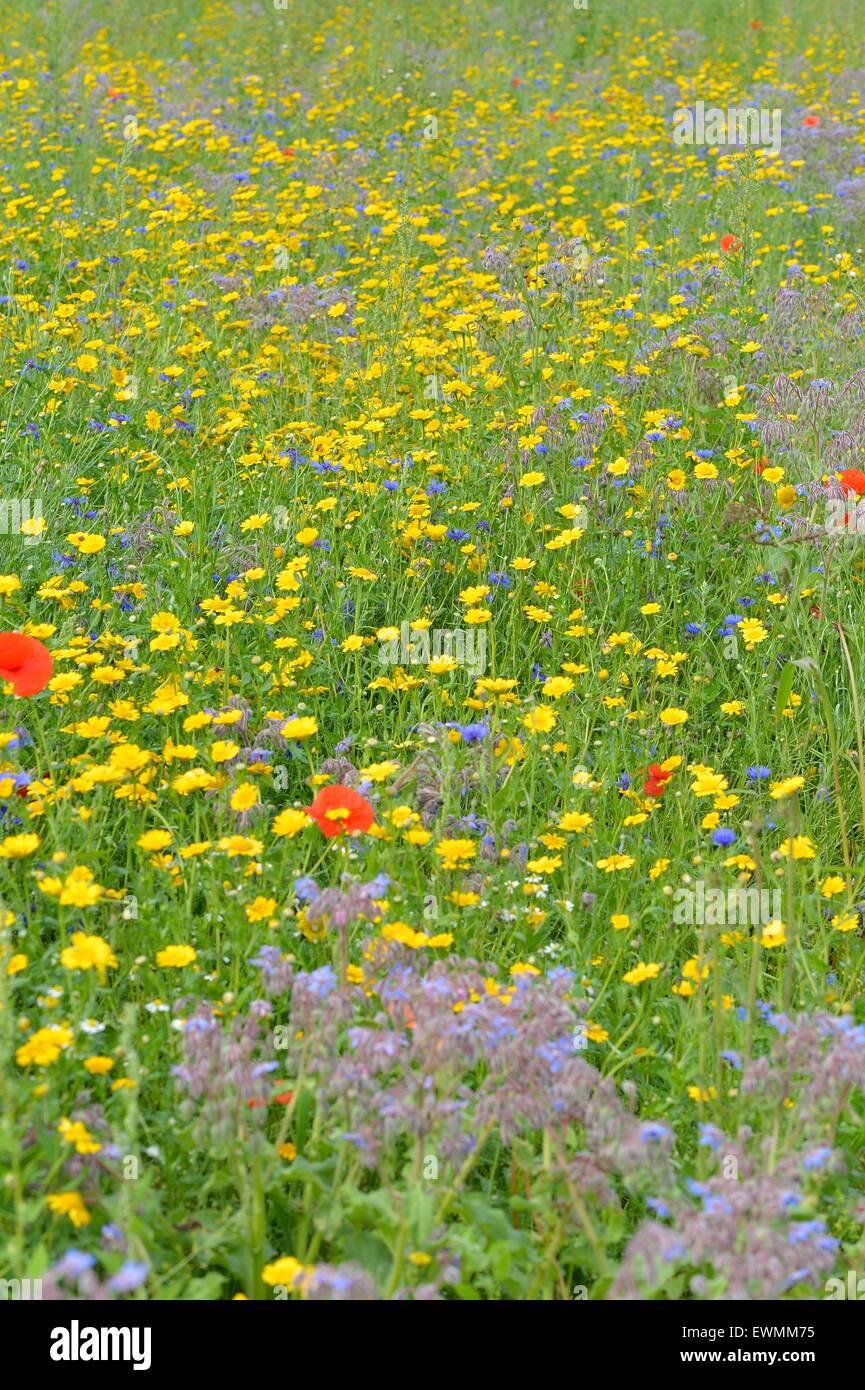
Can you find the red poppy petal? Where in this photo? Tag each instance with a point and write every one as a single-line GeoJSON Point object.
{"type": "Point", "coordinates": [25, 662]}
{"type": "Point", "coordinates": [339, 798]}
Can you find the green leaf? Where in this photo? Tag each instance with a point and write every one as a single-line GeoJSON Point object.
{"type": "Point", "coordinates": [785, 685]}
{"type": "Point", "coordinates": [305, 1107]}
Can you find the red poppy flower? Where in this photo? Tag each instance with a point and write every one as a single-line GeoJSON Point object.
{"type": "Point", "coordinates": [811, 120]}
{"type": "Point", "coordinates": [24, 662]}
{"type": "Point", "coordinates": [730, 243]}
{"type": "Point", "coordinates": [339, 809]}
{"type": "Point", "coordinates": [656, 780]}
{"type": "Point", "coordinates": [852, 480]}
{"type": "Point", "coordinates": [281, 1099]}
{"type": "Point", "coordinates": [402, 1014]}
{"type": "Point", "coordinates": [755, 24]}
{"type": "Point", "coordinates": [760, 464]}
{"type": "Point", "coordinates": [288, 151]}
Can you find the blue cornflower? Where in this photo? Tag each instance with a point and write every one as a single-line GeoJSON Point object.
{"type": "Point", "coordinates": [710, 1137]}
{"type": "Point", "coordinates": [818, 1158]}
{"type": "Point", "coordinates": [653, 1132]}
{"type": "Point", "coordinates": [470, 733]}
{"type": "Point", "coordinates": [658, 1206]}
{"type": "Point", "coordinates": [305, 888]}
{"type": "Point", "coordinates": [130, 1275]}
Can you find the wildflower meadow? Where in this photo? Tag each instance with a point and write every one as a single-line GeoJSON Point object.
{"type": "Point", "coordinates": [432, 665]}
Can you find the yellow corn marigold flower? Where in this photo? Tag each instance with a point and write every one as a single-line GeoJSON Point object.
{"type": "Point", "coordinates": [752, 632]}
{"type": "Point", "coordinates": [74, 1132]}
{"type": "Point", "coordinates": [673, 716]}
{"type": "Point", "coordinates": [69, 1204]}
{"type": "Point", "coordinates": [194, 780]}
{"type": "Point", "coordinates": [260, 909]}
{"type": "Point", "coordinates": [556, 687]}
{"type": "Point", "coordinates": [615, 863]}
{"type": "Point", "coordinates": [194, 850]}
{"type": "Point", "coordinates": [709, 784]}
{"type": "Point", "coordinates": [244, 797]}
{"type": "Point", "coordinates": [789, 785]}
{"type": "Point", "coordinates": [88, 953]}
{"type": "Point", "coordinates": [45, 1046]}
{"type": "Point", "coordinates": [223, 750]}
{"type": "Point", "coordinates": [799, 846]}
{"type": "Point", "coordinates": [285, 1272]}
{"type": "Point", "coordinates": [641, 972]}
{"type": "Point", "coordinates": [19, 846]}
{"type": "Point", "coordinates": [154, 840]}
{"type": "Point", "coordinates": [832, 885]}
{"type": "Point", "coordinates": [379, 772]}
{"type": "Point", "coordinates": [240, 845]}
{"type": "Point", "coordinates": [304, 726]}
{"type": "Point", "coordinates": [846, 921]}
{"type": "Point", "coordinates": [79, 890]}
{"type": "Point", "coordinates": [417, 836]}
{"type": "Point", "coordinates": [289, 822]}
{"type": "Point", "coordinates": [547, 864]}
{"type": "Point", "coordinates": [98, 1066]}
{"type": "Point", "coordinates": [404, 934]}
{"type": "Point", "coordinates": [540, 720]}
{"type": "Point", "coordinates": [454, 852]}
{"type": "Point", "coordinates": [175, 957]}
{"type": "Point", "coordinates": [85, 543]}
{"type": "Point", "coordinates": [774, 934]}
